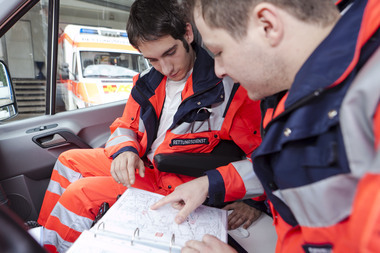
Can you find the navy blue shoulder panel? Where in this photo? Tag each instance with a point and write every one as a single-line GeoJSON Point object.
{"type": "Point", "coordinates": [144, 89]}
{"type": "Point", "coordinates": [332, 57]}
{"type": "Point", "coordinates": [147, 84]}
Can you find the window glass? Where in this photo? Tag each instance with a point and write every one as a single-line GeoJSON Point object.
{"type": "Point", "coordinates": [96, 62]}
{"type": "Point", "coordinates": [24, 48]}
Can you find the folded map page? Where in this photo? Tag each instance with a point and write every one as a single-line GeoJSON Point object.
{"type": "Point", "coordinates": [132, 221]}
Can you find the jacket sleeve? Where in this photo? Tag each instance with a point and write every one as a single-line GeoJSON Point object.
{"type": "Point", "coordinates": [365, 217]}
{"type": "Point", "coordinates": [124, 130]}
{"type": "Point", "coordinates": [237, 180]}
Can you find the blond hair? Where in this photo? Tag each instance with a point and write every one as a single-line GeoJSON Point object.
{"type": "Point", "coordinates": [233, 15]}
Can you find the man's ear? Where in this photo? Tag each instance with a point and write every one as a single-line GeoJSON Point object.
{"type": "Point", "coordinates": [189, 35]}
{"type": "Point", "coordinates": [269, 22]}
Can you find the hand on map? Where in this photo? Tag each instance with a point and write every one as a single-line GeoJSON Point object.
{"type": "Point", "coordinates": [186, 197]}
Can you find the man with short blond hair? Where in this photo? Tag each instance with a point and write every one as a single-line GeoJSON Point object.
{"type": "Point", "coordinates": [315, 71]}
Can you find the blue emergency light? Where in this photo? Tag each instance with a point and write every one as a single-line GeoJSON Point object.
{"type": "Point", "coordinates": [124, 35]}
{"type": "Point", "coordinates": [88, 31]}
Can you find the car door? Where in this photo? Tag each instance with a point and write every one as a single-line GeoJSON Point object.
{"type": "Point", "coordinates": [31, 142]}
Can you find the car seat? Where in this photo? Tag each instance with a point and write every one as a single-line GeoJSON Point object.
{"type": "Point", "coordinates": [14, 238]}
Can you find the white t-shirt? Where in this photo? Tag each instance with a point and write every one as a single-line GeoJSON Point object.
{"type": "Point", "coordinates": [172, 101]}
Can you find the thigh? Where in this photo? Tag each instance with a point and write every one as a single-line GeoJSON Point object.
{"type": "Point", "coordinates": [105, 189]}
{"type": "Point", "coordinates": [88, 162]}
{"type": "Point", "coordinates": [84, 196]}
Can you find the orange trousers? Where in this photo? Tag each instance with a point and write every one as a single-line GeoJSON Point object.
{"type": "Point", "coordinates": [80, 183]}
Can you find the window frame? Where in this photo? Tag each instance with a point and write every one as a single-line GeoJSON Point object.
{"type": "Point", "coordinates": [52, 55]}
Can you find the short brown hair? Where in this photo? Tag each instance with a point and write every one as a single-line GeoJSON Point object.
{"type": "Point", "coordinates": [151, 19]}
{"type": "Point", "coordinates": [233, 15]}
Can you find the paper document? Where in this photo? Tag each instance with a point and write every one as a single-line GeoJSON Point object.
{"type": "Point", "coordinates": [131, 223]}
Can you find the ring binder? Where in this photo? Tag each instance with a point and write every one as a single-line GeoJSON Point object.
{"type": "Point", "coordinates": [131, 224]}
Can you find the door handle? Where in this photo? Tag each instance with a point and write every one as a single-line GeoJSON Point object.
{"type": "Point", "coordinates": [59, 138]}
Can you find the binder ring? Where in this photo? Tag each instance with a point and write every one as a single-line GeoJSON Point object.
{"type": "Point", "coordinates": [172, 241]}
{"type": "Point", "coordinates": [100, 224]}
{"type": "Point", "coordinates": [137, 231]}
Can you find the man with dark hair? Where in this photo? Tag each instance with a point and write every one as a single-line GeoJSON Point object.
{"type": "Point", "coordinates": [316, 71]}
{"type": "Point", "coordinates": [178, 106]}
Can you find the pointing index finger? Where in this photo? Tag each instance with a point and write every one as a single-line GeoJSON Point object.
{"type": "Point", "coordinates": [165, 200]}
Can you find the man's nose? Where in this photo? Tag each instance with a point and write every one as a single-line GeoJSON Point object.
{"type": "Point", "coordinates": [166, 67]}
{"type": "Point", "coordinates": [219, 70]}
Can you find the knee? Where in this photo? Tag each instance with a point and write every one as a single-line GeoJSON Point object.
{"type": "Point", "coordinates": [67, 155]}
{"type": "Point", "coordinates": [74, 158]}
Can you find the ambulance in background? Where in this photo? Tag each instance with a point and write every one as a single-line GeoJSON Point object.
{"type": "Point", "coordinates": [96, 66]}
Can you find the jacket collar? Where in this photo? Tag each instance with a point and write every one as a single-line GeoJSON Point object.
{"type": "Point", "coordinates": [203, 78]}
{"type": "Point", "coordinates": [333, 58]}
